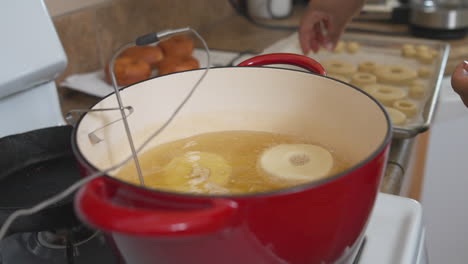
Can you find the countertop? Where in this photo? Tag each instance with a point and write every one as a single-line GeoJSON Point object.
{"type": "Point", "coordinates": [235, 33]}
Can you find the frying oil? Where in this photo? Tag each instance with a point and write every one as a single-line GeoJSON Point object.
{"type": "Point", "coordinates": [216, 163]}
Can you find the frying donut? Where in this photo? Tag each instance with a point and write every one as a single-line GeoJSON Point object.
{"type": "Point", "coordinates": [397, 117]}
{"type": "Point", "coordinates": [362, 79]}
{"type": "Point", "coordinates": [386, 94]}
{"type": "Point", "coordinates": [395, 74]}
{"type": "Point", "coordinates": [367, 66]}
{"type": "Point", "coordinates": [407, 107]}
{"type": "Point", "coordinates": [339, 67]}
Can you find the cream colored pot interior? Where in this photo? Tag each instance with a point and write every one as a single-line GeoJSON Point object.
{"type": "Point", "coordinates": [244, 98]}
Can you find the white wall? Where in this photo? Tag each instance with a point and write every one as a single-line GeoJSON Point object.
{"type": "Point", "coordinates": [445, 193]}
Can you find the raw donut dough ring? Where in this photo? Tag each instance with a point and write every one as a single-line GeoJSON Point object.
{"type": "Point", "coordinates": [339, 77]}
{"type": "Point", "coordinates": [386, 94]}
{"type": "Point", "coordinates": [398, 118]}
{"type": "Point", "coordinates": [367, 66]}
{"type": "Point", "coordinates": [362, 79]}
{"type": "Point", "coordinates": [395, 74]}
{"type": "Point", "coordinates": [339, 67]}
{"type": "Point", "coordinates": [407, 107]}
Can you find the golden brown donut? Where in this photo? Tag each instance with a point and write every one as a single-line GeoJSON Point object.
{"type": "Point", "coordinates": [150, 54]}
{"type": "Point", "coordinates": [175, 64]}
{"type": "Point", "coordinates": [128, 71]}
{"type": "Point", "coordinates": [395, 74]}
{"type": "Point", "coordinates": [177, 46]}
{"type": "Point", "coordinates": [339, 67]}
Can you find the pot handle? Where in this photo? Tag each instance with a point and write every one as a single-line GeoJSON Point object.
{"type": "Point", "coordinates": [286, 58]}
{"type": "Point", "coordinates": [94, 205]}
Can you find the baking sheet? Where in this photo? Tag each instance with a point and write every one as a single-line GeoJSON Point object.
{"type": "Point", "coordinates": [385, 51]}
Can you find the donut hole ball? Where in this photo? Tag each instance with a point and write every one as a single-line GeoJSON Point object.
{"type": "Point", "coordinates": [177, 46]}
{"type": "Point", "coordinates": [424, 72]}
{"type": "Point", "coordinates": [340, 47]}
{"type": "Point", "coordinates": [407, 107]}
{"type": "Point", "coordinates": [417, 91]}
{"type": "Point", "coordinates": [408, 50]}
{"type": "Point", "coordinates": [353, 47]}
{"type": "Point", "coordinates": [425, 57]}
{"type": "Point", "coordinates": [422, 48]}
{"type": "Point", "coordinates": [367, 66]}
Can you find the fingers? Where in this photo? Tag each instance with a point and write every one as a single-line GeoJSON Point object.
{"type": "Point", "coordinates": [460, 81]}
{"type": "Point", "coordinates": [334, 31]}
{"type": "Point", "coordinates": [311, 36]}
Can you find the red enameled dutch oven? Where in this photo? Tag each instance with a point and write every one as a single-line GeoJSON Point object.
{"type": "Point", "coordinates": [317, 222]}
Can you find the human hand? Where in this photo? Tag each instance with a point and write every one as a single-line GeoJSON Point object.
{"type": "Point", "coordinates": [460, 81]}
{"type": "Point", "coordinates": [333, 15]}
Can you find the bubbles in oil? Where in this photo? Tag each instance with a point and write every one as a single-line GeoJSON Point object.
{"type": "Point", "coordinates": [227, 162]}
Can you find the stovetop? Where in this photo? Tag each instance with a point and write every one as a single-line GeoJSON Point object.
{"type": "Point", "coordinates": [394, 235]}
{"type": "Point", "coordinates": [78, 245]}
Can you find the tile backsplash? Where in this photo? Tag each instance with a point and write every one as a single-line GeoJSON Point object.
{"type": "Point", "coordinates": [91, 35]}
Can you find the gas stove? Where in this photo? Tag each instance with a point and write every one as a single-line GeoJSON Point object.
{"type": "Point", "coordinates": [77, 245]}
{"type": "Point", "coordinates": [394, 235]}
